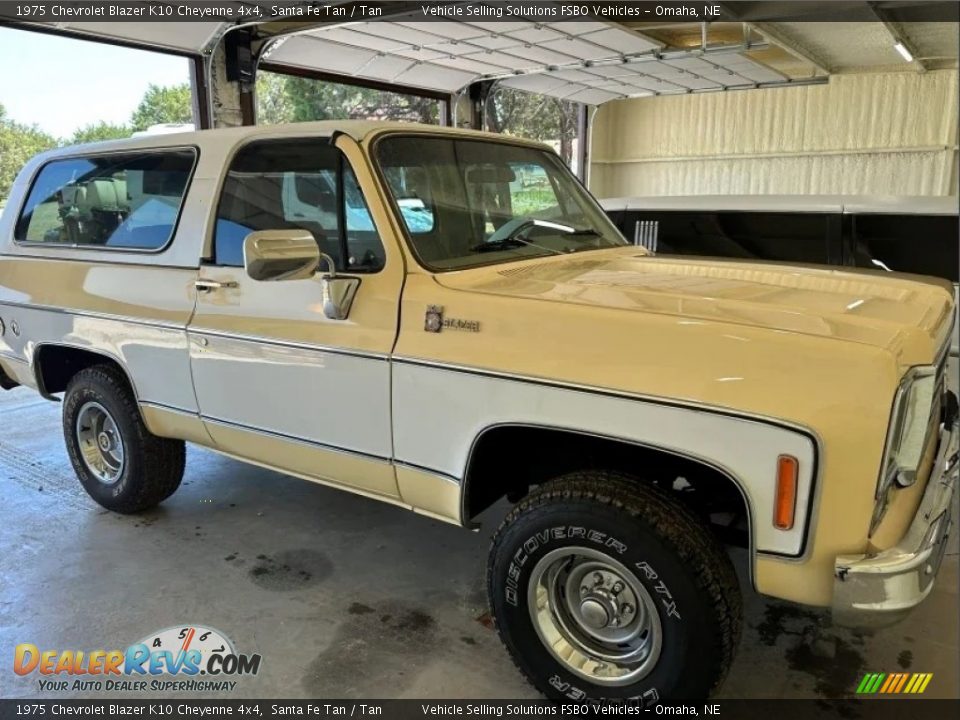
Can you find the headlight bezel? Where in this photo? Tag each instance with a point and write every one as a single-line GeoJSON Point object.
{"type": "Point", "coordinates": [915, 417]}
{"type": "Point", "coordinates": [910, 420]}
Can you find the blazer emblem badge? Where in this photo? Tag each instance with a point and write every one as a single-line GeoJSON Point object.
{"type": "Point", "coordinates": [434, 321]}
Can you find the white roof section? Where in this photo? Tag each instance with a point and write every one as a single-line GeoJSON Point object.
{"type": "Point", "coordinates": [857, 204]}
{"type": "Point", "coordinates": [360, 130]}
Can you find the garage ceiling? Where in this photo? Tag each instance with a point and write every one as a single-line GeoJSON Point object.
{"type": "Point", "coordinates": [588, 62]}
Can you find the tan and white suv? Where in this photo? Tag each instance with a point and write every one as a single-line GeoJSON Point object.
{"type": "Point", "coordinates": [439, 319]}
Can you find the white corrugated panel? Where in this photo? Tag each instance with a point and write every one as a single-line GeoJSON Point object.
{"type": "Point", "coordinates": [893, 133]}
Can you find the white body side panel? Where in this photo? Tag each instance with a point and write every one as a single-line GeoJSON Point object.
{"type": "Point", "coordinates": [326, 398]}
{"type": "Point", "coordinates": [92, 307]}
{"type": "Point", "coordinates": [155, 357]}
{"type": "Point", "coordinates": [439, 412]}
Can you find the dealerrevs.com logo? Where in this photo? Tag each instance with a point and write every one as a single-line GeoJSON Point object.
{"type": "Point", "coordinates": [181, 658]}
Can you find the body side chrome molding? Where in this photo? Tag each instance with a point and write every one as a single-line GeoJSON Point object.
{"type": "Point", "coordinates": [169, 408]}
{"type": "Point", "coordinates": [261, 340]}
{"type": "Point", "coordinates": [431, 471]}
{"type": "Point", "coordinates": [294, 438]}
{"type": "Point", "coordinates": [301, 440]}
{"type": "Point", "coordinates": [320, 481]}
{"type": "Point", "coordinates": [189, 330]}
{"type": "Point", "coordinates": [97, 315]}
{"type": "Point", "coordinates": [610, 392]}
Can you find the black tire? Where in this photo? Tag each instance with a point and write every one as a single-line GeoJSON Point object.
{"type": "Point", "coordinates": [687, 574]}
{"type": "Point", "coordinates": [151, 468]}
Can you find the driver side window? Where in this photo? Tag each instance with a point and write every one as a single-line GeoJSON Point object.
{"type": "Point", "coordinates": [297, 184]}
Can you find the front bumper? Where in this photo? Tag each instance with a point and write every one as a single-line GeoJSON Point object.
{"type": "Point", "coordinates": [881, 588]}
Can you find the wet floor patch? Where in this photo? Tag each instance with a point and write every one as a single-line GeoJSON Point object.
{"type": "Point", "coordinates": [384, 646]}
{"type": "Point", "coordinates": [831, 656]}
{"type": "Point", "coordinates": [905, 659]}
{"type": "Point", "coordinates": [290, 570]}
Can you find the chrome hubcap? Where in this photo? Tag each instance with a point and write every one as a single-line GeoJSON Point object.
{"type": "Point", "coordinates": [101, 446]}
{"type": "Point", "coordinates": [594, 616]}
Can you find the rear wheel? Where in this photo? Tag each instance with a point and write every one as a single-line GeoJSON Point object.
{"type": "Point", "coordinates": [603, 587]}
{"type": "Point", "coordinates": [118, 461]}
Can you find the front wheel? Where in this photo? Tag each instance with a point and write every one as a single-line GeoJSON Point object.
{"type": "Point", "coordinates": [603, 587]}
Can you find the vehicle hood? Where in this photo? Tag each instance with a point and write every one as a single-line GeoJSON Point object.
{"type": "Point", "coordinates": [902, 313]}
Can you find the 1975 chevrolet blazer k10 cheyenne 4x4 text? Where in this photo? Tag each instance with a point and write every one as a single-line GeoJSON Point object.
{"type": "Point", "coordinates": [440, 319]}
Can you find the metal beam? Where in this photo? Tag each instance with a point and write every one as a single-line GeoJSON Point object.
{"type": "Point", "coordinates": [897, 35]}
{"type": "Point", "coordinates": [773, 35]}
{"type": "Point", "coordinates": [200, 94]}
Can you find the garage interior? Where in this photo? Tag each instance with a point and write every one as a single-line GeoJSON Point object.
{"type": "Point", "coordinates": [350, 598]}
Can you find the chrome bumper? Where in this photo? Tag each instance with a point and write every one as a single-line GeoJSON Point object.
{"type": "Point", "coordinates": [880, 589]}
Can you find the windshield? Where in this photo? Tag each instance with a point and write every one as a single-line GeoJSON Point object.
{"type": "Point", "coordinates": [473, 202]}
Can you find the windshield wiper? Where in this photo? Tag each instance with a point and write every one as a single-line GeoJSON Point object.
{"type": "Point", "coordinates": [511, 243]}
{"type": "Point", "coordinates": [502, 244]}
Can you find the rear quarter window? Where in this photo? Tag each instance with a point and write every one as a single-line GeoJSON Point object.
{"type": "Point", "coordinates": [114, 201]}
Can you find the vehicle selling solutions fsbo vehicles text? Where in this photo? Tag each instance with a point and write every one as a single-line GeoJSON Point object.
{"type": "Point", "coordinates": [563, 11]}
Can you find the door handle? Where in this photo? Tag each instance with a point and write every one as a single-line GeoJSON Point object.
{"type": "Point", "coordinates": [208, 285]}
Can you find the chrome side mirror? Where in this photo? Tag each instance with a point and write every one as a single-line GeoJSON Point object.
{"type": "Point", "coordinates": [338, 292]}
{"type": "Point", "coordinates": [270, 255]}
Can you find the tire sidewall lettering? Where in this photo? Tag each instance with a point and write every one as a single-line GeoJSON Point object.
{"type": "Point", "coordinates": [646, 698]}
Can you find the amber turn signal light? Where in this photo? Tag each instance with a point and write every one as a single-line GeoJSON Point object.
{"type": "Point", "coordinates": [785, 502]}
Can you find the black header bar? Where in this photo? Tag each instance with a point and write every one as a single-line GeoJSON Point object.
{"type": "Point", "coordinates": [74, 11]}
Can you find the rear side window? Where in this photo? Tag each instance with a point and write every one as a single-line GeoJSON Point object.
{"type": "Point", "coordinates": [922, 244]}
{"type": "Point", "coordinates": [115, 201]}
{"type": "Point", "coordinates": [297, 184]}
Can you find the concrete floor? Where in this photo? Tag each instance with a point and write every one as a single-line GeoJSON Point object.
{"type": "Point", "coordinates": [343, 597]}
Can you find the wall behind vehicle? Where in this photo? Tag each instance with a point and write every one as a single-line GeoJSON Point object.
{"type": "Point", "coordinates": [883, 133]}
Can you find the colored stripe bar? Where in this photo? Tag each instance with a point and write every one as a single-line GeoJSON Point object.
{"type": "Point", "coordinates": [890, 680]}
{"type": "Point", "coordinates": [913, 681]}
{"type": "Point", "coordinates": [903, 681]}
{"type": "Point", "coordinates": [876, 683]}
{"type": "Point", "coordinates": [862, 687]}
{"type": "Point", "coordinates": [921, 682]}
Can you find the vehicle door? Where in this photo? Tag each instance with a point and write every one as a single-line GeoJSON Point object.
{"type": "Point", "coordinates": [278, 380]}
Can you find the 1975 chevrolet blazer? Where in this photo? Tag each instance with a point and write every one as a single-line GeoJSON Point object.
{"type": "Point", "coordinates": [440, 319]}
